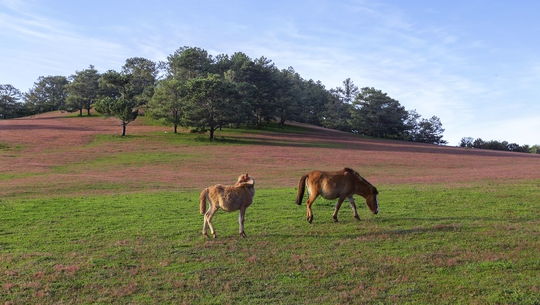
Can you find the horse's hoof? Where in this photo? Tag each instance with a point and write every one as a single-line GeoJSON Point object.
{"type": "Point", "coordinates": [310, 220]}
{"type": "Point", "coordinates": [242, 234]}
{"type": "Point", "coordinates": [205, 234]}
{"type": "Point", "coordinates": [357, 217]}
{"type": "Point", "coordinates": [214, 235]}
{"type": "Point", "coordinates": [335, 219]}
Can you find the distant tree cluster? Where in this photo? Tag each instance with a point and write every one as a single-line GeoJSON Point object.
{"type": "Point", "coordinates": [193, 89]}
{"type": "Point", "coordinates": [10, 102]}
{"type": "Point", "coordinates": [470, 142]}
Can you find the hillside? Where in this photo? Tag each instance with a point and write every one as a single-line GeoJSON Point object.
{"type": "Point", "coordinates": [89, 217]}
{"type": "Point", "coordinates": [78, 155]}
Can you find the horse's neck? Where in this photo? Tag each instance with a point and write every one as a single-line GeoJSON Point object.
{"type": "Point", "coordinates": [250, 187]}
{"type": "Point", "coordinates": [365, 189]}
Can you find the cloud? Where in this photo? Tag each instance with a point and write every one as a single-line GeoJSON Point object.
{"type": "Point", "coordinates": [51, 47]}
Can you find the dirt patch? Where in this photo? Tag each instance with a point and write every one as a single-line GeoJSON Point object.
{"type": "Point", "coordinates": [48, 153]}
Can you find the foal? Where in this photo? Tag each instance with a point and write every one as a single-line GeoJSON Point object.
{"type": "Point", "coordinates": [230, 198]}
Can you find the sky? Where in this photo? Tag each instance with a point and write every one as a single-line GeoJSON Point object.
{"type": "Point", "coordinates": [475, 64]}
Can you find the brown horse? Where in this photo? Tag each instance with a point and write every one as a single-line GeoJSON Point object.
{"type": "Point", "coordinates": [341, 184]}
{"type": "Point", "coordinates": [230, 198]}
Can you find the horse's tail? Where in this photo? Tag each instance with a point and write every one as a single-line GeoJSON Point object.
{"type": "Point", "coordinates": [202, 198]}
{"type": "Point", "coordinates": [301, 189]}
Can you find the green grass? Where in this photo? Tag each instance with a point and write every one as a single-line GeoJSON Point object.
{"type": "Point", "coordinates": [475, 244]}
{"type": "Point", "coordinates": [9, 147]}
{"type": "Point", "coordinates": [226, 136]}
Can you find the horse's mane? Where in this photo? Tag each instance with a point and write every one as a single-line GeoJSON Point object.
{"type": "Point", "coordinates": [355, 173]}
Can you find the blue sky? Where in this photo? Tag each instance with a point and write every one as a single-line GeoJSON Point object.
{"type": "Point", "coordinates": [475, 64]}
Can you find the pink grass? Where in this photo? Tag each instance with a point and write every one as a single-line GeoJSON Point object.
{"type": "Point", "coordinates": [37, 145]}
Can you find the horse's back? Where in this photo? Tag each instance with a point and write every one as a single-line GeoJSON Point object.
{"type": "Point", "coordinates": [330, 185]}
{"type": "Point", "coordinates": [231, 198]}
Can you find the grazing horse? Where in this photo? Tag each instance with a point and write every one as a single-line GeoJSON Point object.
{"type": "Point", "coordinates": [230, 198]}
{"type": "Point", "coordinates": [341, 184]}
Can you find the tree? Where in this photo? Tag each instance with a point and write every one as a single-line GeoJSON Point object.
{"type": "Point", "coordinates": [430, 131]}
{"type": "Point", "coordinates": [122, 105]}
{"type": "Point", "coordinates": [535, 149]}
{"type": "Point", "coordinates": [167, 102]}
{"type": "Point", "coordinates": [221, 64]}
{"type": "Point", "coordinates": [348, 93]}
{"type": "Point", "coordinates": [495, 145]}
{"type": "Point", "coordinates": [412, 125]}
{"type": "Point", "coordinates": [336, 114]}
{"type": "Point", "coordinates": [10, 103]}
{"type": "Point", "coordinates": [287, 95]}
{"type": "Point", "coordinates": [241, 64]}
{"type": "Point", "coordinates": [478, 143]}
{"type": "Point", "coordinates": [48, 94]}
{"type": "Point", "coordinates": [467, 142]}
{"type": "Point", "coordinates": [247, 94]}
{"type": "Point", "coordinates": [144, 75]}
{"type": "Point", "coordinates": [242, 71]}
{"type": "Point", "coordinates": [312, 101]}
{"type": "Point", "coordinates": [375, 113]}
{"type": "Point", "coordinates": [83, 90]}
{"type": "Point", "coordinates": [212, 103]}
{"type": "Point", "coordinates": [189, 62]}
{"type": "Point", "coordinates": [262, 75]}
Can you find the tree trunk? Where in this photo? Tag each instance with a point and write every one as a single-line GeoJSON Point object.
{"type": "Point", "coordinates": [123, 129]}
{"type": "Point", "coordinates": [175, 128]}
{"type": "Point", "coordinates": [212, 129]}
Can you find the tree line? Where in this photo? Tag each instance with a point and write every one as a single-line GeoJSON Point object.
{"type": "Point", "coordinates": [193, 89]}
{"type": "Point", "coordinates": [470, 142]}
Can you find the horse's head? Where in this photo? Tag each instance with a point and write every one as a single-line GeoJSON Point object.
{"type": "Point", "coordinates": [245, 178]}
{"type": "Point", "coordinates": [372, 202]}
{"type": "Point", "coordinates": [366, 190]}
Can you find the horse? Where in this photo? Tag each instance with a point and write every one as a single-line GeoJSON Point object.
{"type": "Point", "coordinates": [230, 198]}
{"type": "Point", "coordinates": [341, 184]}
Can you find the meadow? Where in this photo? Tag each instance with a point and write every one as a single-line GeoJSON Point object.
{"type": "Point", "coordinates": [87, 217]}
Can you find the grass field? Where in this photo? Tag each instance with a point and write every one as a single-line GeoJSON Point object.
{"type": "Point", "coordinates": [89, 217]}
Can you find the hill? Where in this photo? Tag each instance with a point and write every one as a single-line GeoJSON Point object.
{"type": "Point", "coordinates": [80, 155]}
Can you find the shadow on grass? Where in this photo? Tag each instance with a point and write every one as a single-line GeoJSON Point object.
{"type": "Point", "coordinates": [250, 140]}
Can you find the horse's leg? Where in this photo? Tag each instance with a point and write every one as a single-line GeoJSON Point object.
{"type": "Point", "coordinates": [208, 216]}
{"type": "Point", "coordinates": [353, 206]}
{"type": "Point", "coordinates": [205, 225]}
{"type": "Point", "coordinates": [311, 199]}
{"type": "Point", "coordinates": [205, 221]}
{"type": "Point", "coordinates": [338, 205]}
{"type": "Point", "coordinates": [241, 217]}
